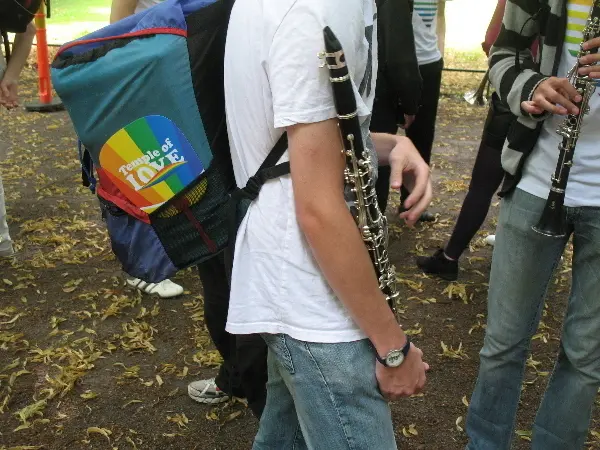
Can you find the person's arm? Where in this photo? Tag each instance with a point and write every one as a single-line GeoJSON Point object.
{"type": "Point", "coordinates": [408, 169]}
{"type": "Point", "coordinates": [441, 25]}
{"type": "Point", "coordinates": [19, 55]}
{"type": "Point", "coordinates": [553, 95]}
{"type": "Point", "coordinates": [121, 9]}
{"type": "Point", "coordinates": [399, 56]}
{"type": "Point", "coordinates": [303, 104]}
{"type": "Point", "coordinates": [515, 87]}
{"type": "Point", "coordinates": [494, 27]}
{"type": "Point", "coordinates": [335, 241]}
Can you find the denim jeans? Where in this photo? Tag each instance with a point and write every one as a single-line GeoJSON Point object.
{"type": "Point", "coordinates": [5, 242]}
{"type": "Point", "coordinates": [522, 266]}
{"type": "Point", "coordinates": [323, 396]}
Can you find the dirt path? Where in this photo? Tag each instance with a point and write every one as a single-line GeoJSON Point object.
{"type": "Point", "coordinates": [86, 363]}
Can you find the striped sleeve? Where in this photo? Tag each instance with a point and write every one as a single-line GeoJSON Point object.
{"type": "Point", "coordinates": [517, 34]}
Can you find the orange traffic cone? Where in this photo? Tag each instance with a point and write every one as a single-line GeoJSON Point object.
{"type": "Point", "coordinates": [46, 102]}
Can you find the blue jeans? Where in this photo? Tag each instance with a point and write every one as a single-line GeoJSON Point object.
{"type": "Point", "coordinates": [522, 267]}
{"type": "Point", "coordinates": [323, 396]}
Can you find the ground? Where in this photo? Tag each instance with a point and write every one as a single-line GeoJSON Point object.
{"type": "Point", "coordinates": [86, 363]}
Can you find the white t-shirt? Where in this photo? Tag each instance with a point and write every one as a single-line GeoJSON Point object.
{"type": "Point", "coordinates": [424, 22]}
{"type": "Point", "coordinates": [583, 187]}
{"type": "Point", "coordinates": [145, 4]}
{"type": "Point", "coordinates": [273, 80]}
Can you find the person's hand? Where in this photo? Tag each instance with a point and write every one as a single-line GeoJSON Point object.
{"type": "Point", "coordinates": [486, 47]}
{"type": "Point", "coordinates": [408, 120]}
{"type": "Point", "coordinates": [409, 169]}
{"type": "Point", "coordinates": [554, 95]}
{"type": "Point", "coordinates": [592, 58]}
{"type": "Point", "coordinates": [9, 93]}
{"type": "Point", "coordinates": [403, 381]}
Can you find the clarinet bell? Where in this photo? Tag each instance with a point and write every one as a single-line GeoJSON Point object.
{"type": "Point", "coordinates": [475, 98]}
{"type": "Point", "coordinates": [552, 223]}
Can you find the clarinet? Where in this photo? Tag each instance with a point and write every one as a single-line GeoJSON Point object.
{"type": "Point", "coordinates": [359, 168]}
{"type": "Point", "coordinates": [553, 221]}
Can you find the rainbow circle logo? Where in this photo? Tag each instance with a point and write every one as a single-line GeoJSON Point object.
{"type": "Point", "coordinates": [150, 161]}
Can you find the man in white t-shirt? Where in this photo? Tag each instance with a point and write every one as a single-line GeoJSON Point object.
{"type": "Point", "coordinates": [524, 260]}
{"type": "Point", "coordinates": [302, 275]}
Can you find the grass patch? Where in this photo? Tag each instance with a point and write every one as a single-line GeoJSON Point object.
{"type": "Point", "coordinates": [70, 11]}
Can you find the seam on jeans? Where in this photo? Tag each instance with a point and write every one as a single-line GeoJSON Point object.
{"type": "Point", "coordinates": [532, 326]}
{"type": "Point", "coordinates": [287, 355]}
{"type": "Point", "coordinates": [276, 343]}
{"type": "Point", "coordinates": [551, 434]}
{"type": "Point", "coordinates": [331, 397]}
{"type": "Point", "coordinates": [297, 437]}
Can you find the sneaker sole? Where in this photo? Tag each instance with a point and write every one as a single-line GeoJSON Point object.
{"type": "Point", "coordinates": [209, 401]}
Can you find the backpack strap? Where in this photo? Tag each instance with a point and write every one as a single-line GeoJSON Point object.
{"type": "Point", "coordinates": [87, 168]}
{"type": "Point", "coordinates": [268, 170]}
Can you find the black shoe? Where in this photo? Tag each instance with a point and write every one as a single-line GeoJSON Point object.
{"type": "Point", "coordinates": [439, 265]}
{"type": "Point", "coordinates": [424, 217]}
{"type": "Point", "coordinates": [427, 217]}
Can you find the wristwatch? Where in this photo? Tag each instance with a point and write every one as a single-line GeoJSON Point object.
{"type": "Point", "coordinates": [394, 357]}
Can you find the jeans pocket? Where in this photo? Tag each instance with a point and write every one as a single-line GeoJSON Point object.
{"type": "Point", "coordinates": [277, 343]}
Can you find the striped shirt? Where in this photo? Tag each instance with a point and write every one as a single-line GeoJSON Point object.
{"type": "Point", "coordinates": [424, 22]}
{"type": "Point", "coordinates": [519, 30]}
{"type": "Point", "coordinates": [427, 9]}
{"type": "Point", "coordinates": [583, 188]}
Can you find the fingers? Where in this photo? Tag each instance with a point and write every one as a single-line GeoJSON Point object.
{"type": "Point", "coordinates": [555, 95]}
{"type": "Point", "coordinates": [552, 108]}
{"type": "Point", "coordinates": [5, 88]}
{"type": "Point", "coordinates": [420, 173]}
{"type": "Point", "coordinates": [557, 98]}
{"type": "Point", "coordinates": [592, 43]}
{"type": "Point", "coordinates": [396, 176]}
{"type": "Point", "coordinates": [531, 108]}
{"type": "Point", "coordinates": [412, 214]}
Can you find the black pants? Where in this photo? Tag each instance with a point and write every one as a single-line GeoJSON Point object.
{"type": "Point", "coordinates": [244, 370]}
{"type": "Point", "coordinates": [422, 130]}
{"type": "Point", "coordinates": [485, 179]}
{"type": "Point", "coordinates": [385, 119]}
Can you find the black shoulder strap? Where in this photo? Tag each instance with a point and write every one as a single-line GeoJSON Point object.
{"type": "Point", "coordinates": [268, 170]}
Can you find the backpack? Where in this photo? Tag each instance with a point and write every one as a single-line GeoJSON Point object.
{"type": "Point", "coordinates": [146, 98]}
{"type": "Point", "coordinates": [15, 15]}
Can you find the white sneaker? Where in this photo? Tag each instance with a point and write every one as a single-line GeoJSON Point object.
{"type": "Point", "coordinates": [206, 391]}
{"type": "Point", "coordinates": [6, 251]}
{"type": "Point", "coordinates": [164, 289]}
{"type": "Point", "coordinates": [490, 240]}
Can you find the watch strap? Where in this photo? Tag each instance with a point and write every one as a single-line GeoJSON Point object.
{"type": "Point", "coordinates": [404, 351]}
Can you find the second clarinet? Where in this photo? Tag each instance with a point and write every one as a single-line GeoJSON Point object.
{"type": "Point", "coordinates": [358, 177]}
{"type": "Point", "coordinates": [552, 222]}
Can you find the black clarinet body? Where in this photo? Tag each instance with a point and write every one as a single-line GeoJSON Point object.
{"type": "Point", "coordinates": [358, 172]}
{"type": "Point", "coordinates": [553, 221]}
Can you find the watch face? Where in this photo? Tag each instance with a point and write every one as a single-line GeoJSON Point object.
{"type": "Point", "coordinates": [394, 358]}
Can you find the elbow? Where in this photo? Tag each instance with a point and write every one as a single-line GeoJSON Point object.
{"type": "Point", "coordinates": [310, 218]}
{"type": "Point", "coordinates": [314, 214]}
